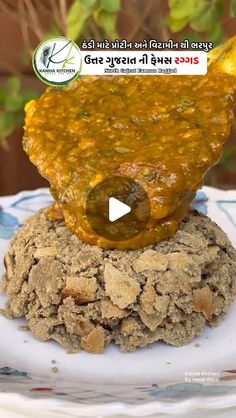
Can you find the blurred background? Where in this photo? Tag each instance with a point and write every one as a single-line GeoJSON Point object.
{"type": "Point", "coordinates": [24, 23]}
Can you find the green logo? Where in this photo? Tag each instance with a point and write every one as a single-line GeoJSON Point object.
{"type": "Point", "coordinates": [57, 61]}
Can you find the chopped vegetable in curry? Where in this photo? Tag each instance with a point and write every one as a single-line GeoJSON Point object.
{"type": "Point", "coordinates": [163, 131]}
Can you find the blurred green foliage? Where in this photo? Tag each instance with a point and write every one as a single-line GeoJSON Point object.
{"type": "Point", "coordinates": [228, 160]}
{"type": "Point", "coordinates": [197, 20]}
{"type": "Point", "coordinates": [200, 16]}
{"type": "Point", "coordinates": [192, 19]}
{"type": "Point", "coordinates": [12, 101]}
{"type": "Point", "coordinates": [233, 8]}
{"type": "Point", "coordinates": [99, 17]}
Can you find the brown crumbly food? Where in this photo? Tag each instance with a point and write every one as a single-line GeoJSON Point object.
{"type": "Point", "coordinates": [85, 297]}
{"type": "Point", "coordinates": [82, 289]}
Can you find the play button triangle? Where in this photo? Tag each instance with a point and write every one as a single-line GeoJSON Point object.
{"type": "Point", "coordinates": [117, 209]}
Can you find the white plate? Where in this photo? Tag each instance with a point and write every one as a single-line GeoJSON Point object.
{"type": "Point", "coordinates": [159, 379]}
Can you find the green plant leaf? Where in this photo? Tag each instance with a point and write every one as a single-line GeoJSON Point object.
{"type": "Point", "coordinates": [107, 21]}
{"type": "Point", "coordinates": [172, 3]}
{"type": "Point", "coordinates": [13, 85]}
{"type": "Point", "coordinates": [216, 34]}
{"type": "Point", "coordinates": [14, 103]}
{"type": "Point", "coordinates": [111, 6]}
{"type": "Point", "coordinates": [2, 96]}
{"type": "Point", "coordinates": [230, 166]}
{"type": "Point", "coordinates": [76, 18]}
{"type": "Point", "coordinates": [181, 9]}
{"type": "Point", "coordinates": [206, 17]}
{"type": "Point", "coordinates": [191, 36]}
{"type": "Point", "coordinates": [19, 119]}
{"type": "Point", "coordinates": [228, 153]}
{"type": "Point", "coordinates": [228, 158]}
{"type": "Point", "coordinates": [88, 3]}
{"type": "Point", "coordinates": [176, 25]}
{"type": "Point", "coordinates": [7, 124]}
{"type": "Point", "coordinates": [28, 95]}
{"type": "Point", "coordinates": [233, 8]}
{"type": "Point", "coordinates": [54, 31]}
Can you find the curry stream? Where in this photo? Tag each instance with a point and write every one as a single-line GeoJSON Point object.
{"type": "Point", "coordinates": [163, 131]}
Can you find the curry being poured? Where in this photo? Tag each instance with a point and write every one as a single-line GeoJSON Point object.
{"type": "Point", "coordinates": [162, 131]}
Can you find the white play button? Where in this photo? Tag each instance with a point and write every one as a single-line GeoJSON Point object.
{"type": "Point", "coordinates": [117, 209]}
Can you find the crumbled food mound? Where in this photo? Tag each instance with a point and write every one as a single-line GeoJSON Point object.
{"type": "Point", "coordinates": [86, 297]}
{"type": "Point", "coordinates": [130, 126]}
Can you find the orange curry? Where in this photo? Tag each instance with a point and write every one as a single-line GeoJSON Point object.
{"type": "Point", "coordinates": [163, 131]}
